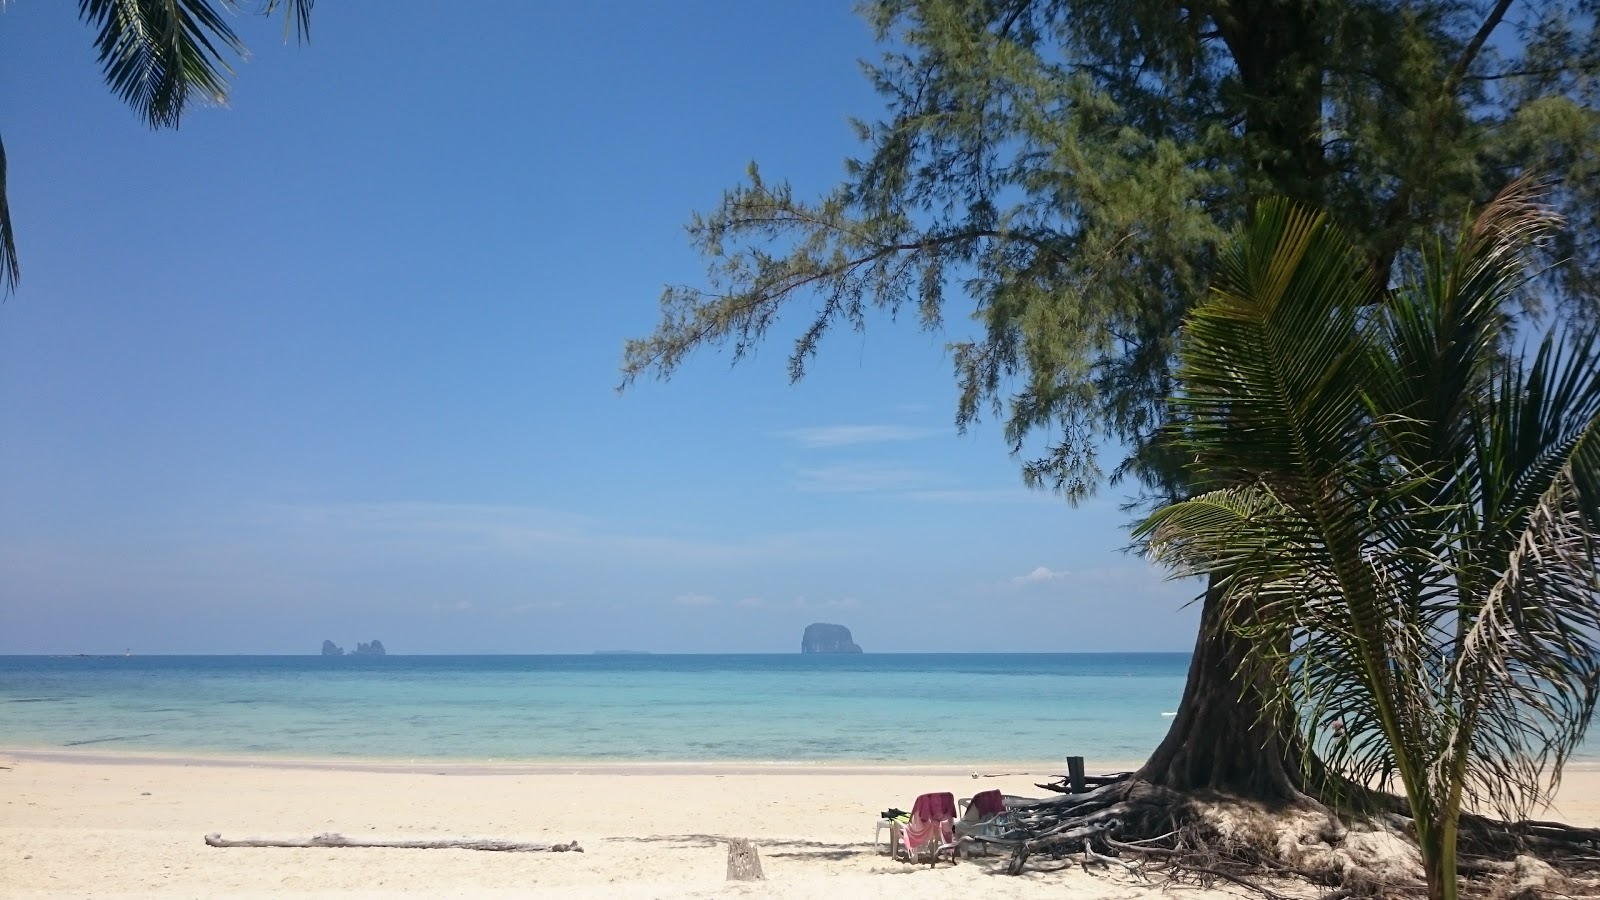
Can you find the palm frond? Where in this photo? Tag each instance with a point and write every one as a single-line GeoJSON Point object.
{"type": "Point", "coordinates": [1409, 523]}
{"type": "Point", "coordinates": [296, 17]}
{"type": "Point", "coordinates": [9, 271]}
{"type": "Point", "coordinates": [1528, 661]}
{"type": "Point", "coordinates": [159, 55]}
{"type": "Point", "coordinates": [1292, 290]}
{"type": "Point", "coordinates": [1442, 347]}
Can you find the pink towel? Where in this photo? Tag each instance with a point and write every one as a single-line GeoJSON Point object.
{"type": "Point", "coordinates": [934, 807]}
{"type": "Point", "coordinates": [932, 823]}
{"type": "Point", "coordinates": [922, 835]}
{"type": "Point", "coordinates": [989, 804]}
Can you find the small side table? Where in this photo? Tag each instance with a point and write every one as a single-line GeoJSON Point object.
{"type": "Point", "coordinates": [894, 835]}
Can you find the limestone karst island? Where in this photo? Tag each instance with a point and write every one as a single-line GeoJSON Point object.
{"type": "Point", "coordinates": [329, 648]}
{"type": "Point", "coordinates": [821, 637]}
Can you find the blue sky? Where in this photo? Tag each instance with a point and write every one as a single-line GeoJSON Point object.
{"type": "Point", "coordinates": [339, 361]}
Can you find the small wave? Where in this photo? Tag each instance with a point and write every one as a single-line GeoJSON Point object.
{"type": "Point", "coordinates": [120, 737]}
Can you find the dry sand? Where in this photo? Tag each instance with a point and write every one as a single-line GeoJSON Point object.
{"type": "Point", "coordinates": [120, 826]}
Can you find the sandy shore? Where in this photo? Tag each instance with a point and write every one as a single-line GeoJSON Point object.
{"type": "Point", "coordinates": [111, 826]}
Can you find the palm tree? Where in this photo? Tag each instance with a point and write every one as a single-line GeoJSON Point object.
{"type": "Point", "coordinates": [1404, 507]}
{"type": "Point", "coordinates": [158, 57]}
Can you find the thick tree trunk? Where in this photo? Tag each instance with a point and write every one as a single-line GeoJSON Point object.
{"type": "Point", "coordinates": [1221, 739]}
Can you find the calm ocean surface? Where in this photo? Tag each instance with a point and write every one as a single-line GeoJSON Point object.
{"type": "Point", "coordinates": [873, 708]}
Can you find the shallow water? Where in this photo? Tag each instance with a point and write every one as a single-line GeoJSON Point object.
{"type": "Point", "coordinates": [869, 708]}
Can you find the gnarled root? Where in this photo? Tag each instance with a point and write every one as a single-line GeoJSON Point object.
{"type": "Point", "coordinates": [1208, 840]}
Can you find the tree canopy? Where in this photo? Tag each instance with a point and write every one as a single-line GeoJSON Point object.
{"type": "Point", "coordinates": [1064, 171]}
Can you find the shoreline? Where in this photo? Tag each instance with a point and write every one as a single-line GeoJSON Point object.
{"type": "Point", "coordinates": [985, 769]}
{"type": "Point", "coordinates": [491, 766]}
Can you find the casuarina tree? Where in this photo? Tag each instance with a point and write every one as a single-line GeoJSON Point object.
{"type": "Point", "coordinates": [1062, 173]}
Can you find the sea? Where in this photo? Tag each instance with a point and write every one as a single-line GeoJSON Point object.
{"type": "Point", "coordinates": [978, 710]}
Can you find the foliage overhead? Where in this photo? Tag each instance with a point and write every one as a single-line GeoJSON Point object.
{"type": "Point", "coordinates": [1408, 518]}
{"type": "Point", "coordinates": [1064, 170]}
{"type": "Point", "coordinates": [159, 56]}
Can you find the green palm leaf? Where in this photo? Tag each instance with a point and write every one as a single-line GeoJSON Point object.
{"type": "Point", "coordinates": [9, 271]}
{"type": "Point", "coordinates": [1409, 522]}
{"type": "Point", "coordinates": [158, 55]}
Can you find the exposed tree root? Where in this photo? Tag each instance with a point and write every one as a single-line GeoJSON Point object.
{"type": "Point", "coordinates": [1208, 839]}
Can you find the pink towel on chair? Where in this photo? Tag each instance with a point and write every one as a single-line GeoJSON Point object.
{"type": "Point", "coordinates": [922, 835]}
{"type": "Point", "coordinates": [934, 807]}
{"type": "Point", "coordinates": [989, 804]}
{"type": "Point", "coordinates": [932, 823]}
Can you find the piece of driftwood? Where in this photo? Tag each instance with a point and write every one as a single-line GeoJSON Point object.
{"type": "Point", "coordinates": [334, 839]}
{"type": "Point", "coordinates": [744, 863]}
{"type": "Point", "coordinates": [1089, 782]}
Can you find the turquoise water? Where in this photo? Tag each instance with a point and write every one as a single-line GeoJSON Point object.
{"type": "Point", "coordinates": [873, 708]}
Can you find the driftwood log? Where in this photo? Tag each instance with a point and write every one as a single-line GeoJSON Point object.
{"type": "Point", "coordinates": [744, 863]}
{"type": "Point", "coordinates": [334, 839]}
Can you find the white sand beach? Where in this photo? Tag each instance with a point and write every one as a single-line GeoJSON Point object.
{"type": "Point", "coordinates": [109, 826]}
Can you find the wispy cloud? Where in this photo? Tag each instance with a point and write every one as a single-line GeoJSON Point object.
{"type": "Point", "coordinates": [981, 495]}
{"type": "Point", "coordinates": [907, 483]}
{"type": "Point", "coordinates": [850, 435]}
{"type": "Point", "coordinates": [801, 603]}
{"type": "Point", "coordinates": [1040, 575]}
{"type": "Point", "coordinates": [860, 479]}
{"type": "Point", "coordinates": [694, 600]}
{"type": "Point", "coordinates": [536, 605]}
{"type": "Point", "coordinates": [467, 606]}
{"type": "Point", "coordinates": [526, 532]}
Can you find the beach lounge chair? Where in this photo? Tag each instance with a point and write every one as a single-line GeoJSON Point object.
{"type": "Point", "coordinates": [982, 816]}
{"type": "Point", "coordinates": [931, 831]}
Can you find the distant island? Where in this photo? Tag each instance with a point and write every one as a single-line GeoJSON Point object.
{"type": "Point", "coordinates": [821, 637]}
{"type": "Point", "coordinates": [329, 648]}
{"type": "Point", "coordinates": [622, 653]}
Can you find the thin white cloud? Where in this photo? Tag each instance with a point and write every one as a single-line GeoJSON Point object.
{"type": "Point", "coordinates": [526, 532]}
{"type": "Point", "coordinates": [800, 603]}
{"type": "Point", "coordinates": [694, 600]}
{"type": "Point", "coordinates": [1040, 575]}
{"type": "Point", "coordinates": [851, 435]}
{"type": "Point", "coordinates": [982, 495]}
{"type": "Point", "coordinates": [860, 479]}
